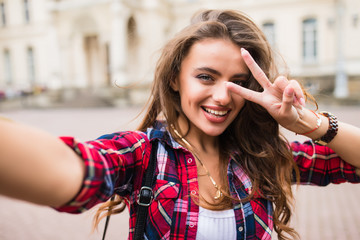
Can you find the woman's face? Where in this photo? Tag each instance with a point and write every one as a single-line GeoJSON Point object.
{"type": "Point", "coordinates": [205, 99]}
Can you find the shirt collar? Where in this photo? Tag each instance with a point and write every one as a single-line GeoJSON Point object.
{"type": "Point", "coordinates": [160, 132]}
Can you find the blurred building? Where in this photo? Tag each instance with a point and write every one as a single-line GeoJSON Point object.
{"type": "Point", "coordinates": [62, 45]}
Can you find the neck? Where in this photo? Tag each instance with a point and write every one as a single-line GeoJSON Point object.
{"type": "Point", "coordinates": [205, 155]}
{"type": "Point", "coordinates": [200, 141]}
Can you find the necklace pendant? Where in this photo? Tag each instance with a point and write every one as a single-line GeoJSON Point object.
{"type": "Point", "coordinates": [218, 195]}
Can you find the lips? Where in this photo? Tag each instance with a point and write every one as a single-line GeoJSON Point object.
{"type": "Point", "coordinates": [216, 114]}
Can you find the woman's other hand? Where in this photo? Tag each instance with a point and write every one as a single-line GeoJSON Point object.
{"type": "Point", "coordinates": [283, 99]}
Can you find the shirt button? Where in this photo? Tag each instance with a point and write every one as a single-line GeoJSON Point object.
{"type": "Point", "coordinates": [193, 192]}
{"type": "Point", "coordinates": [189, 160]}
{"type": "Point", "coordinates": [241, 229]}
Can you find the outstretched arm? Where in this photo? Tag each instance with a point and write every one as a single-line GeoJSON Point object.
{"type": "Point", "coordinates": [284, 100]}
{"type": "Point", "coordinates": [37, 167]}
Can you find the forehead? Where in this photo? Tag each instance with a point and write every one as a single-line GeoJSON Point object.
{"type": "Point", "coordinates": [215, 53]}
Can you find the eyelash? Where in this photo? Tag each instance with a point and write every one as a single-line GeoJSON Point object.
{"type": "Point", "coordinates": [204, 77]}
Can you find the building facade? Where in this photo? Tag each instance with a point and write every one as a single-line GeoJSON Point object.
{"type": "Point", "coordinates": [96, 44]}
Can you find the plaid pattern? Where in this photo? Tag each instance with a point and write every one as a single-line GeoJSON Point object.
{"type": "Point", "coordinates": [320, 165]}
{"type": "Point", "coordinates": [117, 162]}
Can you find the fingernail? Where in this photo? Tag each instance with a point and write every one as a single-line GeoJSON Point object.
{"type": "Point", "coordinates": [289, 91]}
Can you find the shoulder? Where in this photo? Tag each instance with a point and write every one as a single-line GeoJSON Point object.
{"type": "Point", "coordinates": [125, 141]}
{"type": "Point", "coordinates": [123, 136]}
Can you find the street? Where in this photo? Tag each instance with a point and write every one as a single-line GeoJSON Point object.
{"type": "Point", "coordinates": [321, 212]}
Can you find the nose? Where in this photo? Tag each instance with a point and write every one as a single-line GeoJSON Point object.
{"type": "Point", "coordinates": [221, 94]}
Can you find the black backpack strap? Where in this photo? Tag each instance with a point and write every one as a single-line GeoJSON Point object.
{"type": "Point", "coordinates": [146, 195]}
{"type": "Point", "coordinates": [107, 221]}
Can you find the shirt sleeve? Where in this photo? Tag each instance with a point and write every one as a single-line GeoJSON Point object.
{"type": "Point", "coordinates": [111, 163]}
{"type": "Point", "coordinates": [320, 165]}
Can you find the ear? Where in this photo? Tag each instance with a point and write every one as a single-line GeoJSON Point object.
{"type": "Point", "coordinates": [174, 84]}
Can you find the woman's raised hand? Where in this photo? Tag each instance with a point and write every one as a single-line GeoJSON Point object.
{"type": "Point", "coordinates": [283, 98]}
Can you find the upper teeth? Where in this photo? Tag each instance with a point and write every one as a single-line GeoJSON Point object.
{"type": "Point", "coordinates": [216, 112]}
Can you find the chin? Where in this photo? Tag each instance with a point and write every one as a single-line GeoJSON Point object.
{"type": "Point", "coordinates": [215, 132]}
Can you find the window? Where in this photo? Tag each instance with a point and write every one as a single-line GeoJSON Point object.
{"type": "Point", "coordinates": [2, 14]}
{"type": "Point", "coordinates": [27, 11]}
{"type": "Point", "coordinates": [269, 31]}
{"type": "Point", "coordinates": [309, 40]}
{"type": "Point", "coordinates": [7, 67]}
{"type": "Point", "coordinates": [31, 65]}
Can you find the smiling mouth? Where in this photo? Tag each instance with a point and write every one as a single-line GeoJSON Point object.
{"type": "Point", "coordinates": [216, 113]}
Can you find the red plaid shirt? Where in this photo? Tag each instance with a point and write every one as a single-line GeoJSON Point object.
{"type": "Point", "coordinates": [116, 163]}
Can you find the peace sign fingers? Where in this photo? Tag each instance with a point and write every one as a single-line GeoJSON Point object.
{"type": "Point", "coordinates": [283, 99]}
{"type": "Point", "coordinates": [254, 68]}
{"type": "Point", "coordinates": [279, 84]}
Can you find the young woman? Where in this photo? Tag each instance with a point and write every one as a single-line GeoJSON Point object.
{"type": "Point", "coordinates": [223, 169]}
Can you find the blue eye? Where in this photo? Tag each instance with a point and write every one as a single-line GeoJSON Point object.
{"type": "Point", "coordinates": [204, 77]}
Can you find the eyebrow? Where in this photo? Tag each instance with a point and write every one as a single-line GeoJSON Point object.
{"type": "Point", "coordinates": [213, 71]}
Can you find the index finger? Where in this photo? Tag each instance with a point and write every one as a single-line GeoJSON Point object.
{"type": "Point", "coordinates": [254, 68]}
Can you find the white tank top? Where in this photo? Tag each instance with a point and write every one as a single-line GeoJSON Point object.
{"type": "Point", "coordinates": [216, 225]}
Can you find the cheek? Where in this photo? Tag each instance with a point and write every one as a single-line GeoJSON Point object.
{"type": "Point", "coordinates": [190, 95]}
{"type": "Point", "coordinates": [188, 101]}
{"type": "Point", "coordinates": [239, 102]}
{"type": "Point", "coordinates": [185, 101]}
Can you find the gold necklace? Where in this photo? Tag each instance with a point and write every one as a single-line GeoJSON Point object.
{"type": "Point", "coordinates": [219, 193]}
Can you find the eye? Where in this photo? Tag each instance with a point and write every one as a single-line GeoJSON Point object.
{"type": "Point", "coordinates": [204, 77]}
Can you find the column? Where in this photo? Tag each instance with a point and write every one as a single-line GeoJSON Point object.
{"type": "Point", "coordinates": [341, 80]}
{"type": "Point", "coordinates": [118, 45]}
{"type": "Point", "coordinates": [54, 80]}
{"type": "Point", "coordinates": [152, 25]}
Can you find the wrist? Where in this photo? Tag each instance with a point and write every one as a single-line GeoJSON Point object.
{"type": "Point", "coordinates": [321, 127]}
{"type": "Point", "coordinates": [331, 130]}
{"type": "Point", "coordinates": [318, 124]}
{"type": "Point", "coordinates": [309, 124]}
{"type": "Point", "coordinates": [321, 131]}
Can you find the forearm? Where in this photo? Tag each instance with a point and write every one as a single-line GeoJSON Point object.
{"type": "Point", "coordinates": [37, 167]}
{"type": "Point", "coordinates": [347, 144]}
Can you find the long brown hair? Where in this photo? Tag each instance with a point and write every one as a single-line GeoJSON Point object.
{"type": "Point", "coordinates": [265, 155]}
